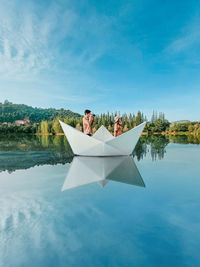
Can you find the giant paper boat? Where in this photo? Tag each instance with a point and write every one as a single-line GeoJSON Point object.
{"type": "Point", "coordinates": [102, 143]}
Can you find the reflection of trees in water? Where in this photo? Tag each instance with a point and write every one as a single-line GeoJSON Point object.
{"type": "Point", "coordinates": [33, 143]}
{"type": "Point", "coordinates": [156, 144]}
{"type": "Point", "coordinates": [185, 139]}
{"type": "Point", "coordinates": [141, 149]}
{"type": "Point", "coordinates": [26, 151]}
{"type": "Point", "coordinates": [19, 160]}
{"type": "Point", "coordinates": [44, 140]}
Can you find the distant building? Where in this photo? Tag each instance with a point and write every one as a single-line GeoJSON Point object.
{"type": "Point", "coordinates": [25, 121]}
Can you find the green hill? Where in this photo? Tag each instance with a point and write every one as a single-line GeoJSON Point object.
{"type": "Point", "coordinates": [10, 112]}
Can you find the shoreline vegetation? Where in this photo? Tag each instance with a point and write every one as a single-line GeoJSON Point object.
{"type": "Point", "coordinates": [143, 134]}
{"type": "Point", "coordinates": [25, 151]}
{"type": "Point", "coordinates": [19, 118]}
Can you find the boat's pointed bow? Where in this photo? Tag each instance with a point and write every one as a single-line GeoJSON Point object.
{"type": "Point", "coordinates": [81, 143]}
{"type": "Point", "coordinates": [127, 141]}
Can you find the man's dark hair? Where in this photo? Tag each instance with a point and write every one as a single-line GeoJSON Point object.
{"type": "Point", "coordinates": [87, 111]}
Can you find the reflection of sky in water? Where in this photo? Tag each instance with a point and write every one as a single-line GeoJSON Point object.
{"type": "Point", "coordinates": [118, 225]}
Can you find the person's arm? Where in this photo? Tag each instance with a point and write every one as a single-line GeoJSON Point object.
{"type": "Point", "coordinates": [91, 120]}
{"type": "Point", "coordinates": [116, 127]}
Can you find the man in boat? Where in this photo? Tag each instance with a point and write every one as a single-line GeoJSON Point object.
{"type": "Point", "coordinates": [88, 121]}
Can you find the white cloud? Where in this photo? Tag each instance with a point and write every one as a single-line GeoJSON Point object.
{"type": "Point", "coordinates": [22, 51]}
{"type": "Point", "coordinates": [48, 52]}
{"type": "Point", "coordinates": [44, 39]}
{"type": "Point", "coordinates": [189, 37]}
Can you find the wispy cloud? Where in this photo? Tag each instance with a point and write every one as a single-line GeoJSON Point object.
{"type": "Point", "coordinates": [189, 37]}
{"type": "Point", "coordinates": [23, 51]}
{"type": "Point", "coordinates": [48, 39]}
{"type": "Point", "coordinates": [51, 47]}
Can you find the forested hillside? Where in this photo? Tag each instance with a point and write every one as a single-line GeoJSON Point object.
{"type": "Point", "coordinates": [10, 112]}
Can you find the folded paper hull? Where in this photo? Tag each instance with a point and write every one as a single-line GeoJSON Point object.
{"type": "Point", "coordinates": [102, 143]}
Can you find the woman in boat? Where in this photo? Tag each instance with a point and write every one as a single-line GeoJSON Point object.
{"type": "Point", "coordinates": [118, 126]}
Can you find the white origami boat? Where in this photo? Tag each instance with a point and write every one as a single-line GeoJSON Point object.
{"type": "Point", "coordinates": [87, 170]}
{"type": "Point", "coordinates": [102, 143]}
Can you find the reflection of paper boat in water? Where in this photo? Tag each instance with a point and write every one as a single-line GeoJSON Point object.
{"type": "Point", "coordinates": [86, 170]}
{"type": "Point", "coordinates": [102, 143]}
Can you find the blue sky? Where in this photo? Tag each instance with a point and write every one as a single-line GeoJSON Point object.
{"type": "Point", "coordinates": [102, 55]}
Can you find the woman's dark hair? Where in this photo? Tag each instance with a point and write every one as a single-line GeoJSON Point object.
{"type": "Point", "coordinates": [87, 111]}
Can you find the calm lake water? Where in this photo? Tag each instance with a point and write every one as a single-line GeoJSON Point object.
{"type": "Point", "coordinates": [144, 212]}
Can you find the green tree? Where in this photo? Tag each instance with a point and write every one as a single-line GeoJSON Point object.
{"type": "Point", "coordinates": [44, 127]}
{"type": "Point", "coordinates": [138, 118]}
{"type": "Point", "coordinates": [56, 127]}
{"type": "Point", "coordinates": [159, 127]}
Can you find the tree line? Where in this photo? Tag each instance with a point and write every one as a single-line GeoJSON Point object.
{"type": "Point", "coordinates": [10, 112]}
{"type": "Point", "coordinates": [107, 119]}
{"type": "Point", "coordinates": [46, 121]}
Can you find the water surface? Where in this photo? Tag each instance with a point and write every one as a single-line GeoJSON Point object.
{"type": "Point", "coordinates": [154, 223]}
